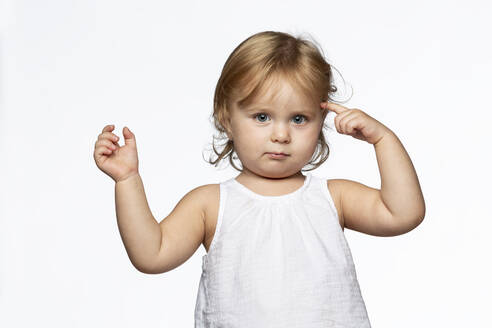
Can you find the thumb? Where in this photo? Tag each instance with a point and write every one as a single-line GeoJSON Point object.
{"type": "Point", "coordinates": [129, 137]}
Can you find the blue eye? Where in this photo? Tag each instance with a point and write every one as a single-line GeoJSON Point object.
{"type": "Point", "coordinates": [304, 117]}
{"type": "Point", "coordinates": [264, 116]}
{"type": "Point", "coordinates": [260, 115]}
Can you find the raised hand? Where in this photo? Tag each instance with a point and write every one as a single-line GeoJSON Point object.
{"type": "Point", "coordinates": [118, 162]}
{"type": "Point", "coordinates": [356, 123]}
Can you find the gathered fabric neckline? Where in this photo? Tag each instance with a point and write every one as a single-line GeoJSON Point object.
{"type": "Point", "coordinates": [264, 197]}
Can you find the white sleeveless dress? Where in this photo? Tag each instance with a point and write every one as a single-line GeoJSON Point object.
{"type": "Point", "coordinates": [279, 261]}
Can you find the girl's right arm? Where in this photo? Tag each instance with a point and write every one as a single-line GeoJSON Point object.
{"type": "Point", "coordinates": [151, 247]}
{"type": "Point", "coordinates": [139, 230]}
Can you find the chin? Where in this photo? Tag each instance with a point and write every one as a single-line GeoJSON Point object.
{"type": "Point", "coordinates": [277, 174]}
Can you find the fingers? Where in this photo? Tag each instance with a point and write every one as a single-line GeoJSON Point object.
{"type": "Point", "coordinates": [104, 146]}
{"type": "Point", "coordinates": [107, 142]}
{"type": "Point", "coordinates": [129, 137]}
{"type": "Point", "coordinates": [109, 127]}
{"type": "Point", "coordinates": [349, 124]}
{"type": "Point", "coordinates": [103, 150]}
{"type": "Point", "coordinates": [343, 117]}
{"type": "Point", "coordinates": [109, 136]}
{"type": "Point", "coordinates": [341, 121]}
{"type": "Point", "coordinates": [334, 107]}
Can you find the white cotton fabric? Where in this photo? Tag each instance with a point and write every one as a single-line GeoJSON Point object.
{"type": "Point", "coordinates": [279, 261]}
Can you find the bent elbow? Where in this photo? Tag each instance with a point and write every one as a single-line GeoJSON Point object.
{"type": "Point", "coordinates": [143, 267]}
{"type": "Point", "coordinates": [417, 221]}
{"type": "Point", "coordinates": [147, 270]}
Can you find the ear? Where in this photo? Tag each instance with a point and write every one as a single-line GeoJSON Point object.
{"type": "Point", "coordinates": [324, 112]}
{"type": "Point", "coordinates": [225, 120]}
{"type": "Point", "coordinates": [227, 127]}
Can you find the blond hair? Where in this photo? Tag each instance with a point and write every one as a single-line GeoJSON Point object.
{"type": "Point", "coordinates": [259, 59]}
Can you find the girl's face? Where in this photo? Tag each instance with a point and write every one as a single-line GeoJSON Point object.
{"type": "Point", "coordinates": [281, 120]}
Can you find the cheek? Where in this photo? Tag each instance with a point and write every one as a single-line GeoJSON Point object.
{"type": "Point", "coordinates": [308, 140]}
{"type": "Point", "coordinates": [246, 138]}
{"type": "Point", "coordinates": [309, 135]}
{"type": "Point", "coordinates": [248, 130]}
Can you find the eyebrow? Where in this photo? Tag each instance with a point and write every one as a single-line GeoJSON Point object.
{"type": "Point", "coordinates": [257, 108]}
{"type": "Point", "coordinates": [251, 108]}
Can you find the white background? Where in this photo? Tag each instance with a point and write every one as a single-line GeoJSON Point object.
{"type": "Point", "coordinates": [68, 68]}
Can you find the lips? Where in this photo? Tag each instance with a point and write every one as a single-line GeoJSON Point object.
{"type": "Point", "coordinates": [278, 153]}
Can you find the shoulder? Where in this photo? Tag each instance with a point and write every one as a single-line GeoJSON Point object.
{"type": "Point", "coordinates": [209, 198]}
{"type": "Point", "coordinates": [362, 208]}
{"type": "Point", "coordinates": [203, 190]}
{"type": "Point", "coordinates": [200, 198]}
{"type": "Point", "coordinates": [209, 191]}
{"type": "Point", "coordinates": [349, 194]}
{"type": "Point", "coordinates": [335, 187]}
{"type": "Point", "coordinates": [206, 196]}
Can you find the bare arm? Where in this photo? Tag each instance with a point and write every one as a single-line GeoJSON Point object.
{"type": "Point", "coordinates": [395, 209]}
{"type": "Point", "coordinates": [400, 188]}
{"type": "Point", "coordinates": [399, 206]}
{"type": "Point", "coordinates": [139, 230]}
{"type": "Point", "coordinates": [183, 230]}
{"type": "Point", "coordinates": [160, 247]}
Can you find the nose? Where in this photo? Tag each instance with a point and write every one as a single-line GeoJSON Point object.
{"type": "Point", "coordinates": [280, 133]}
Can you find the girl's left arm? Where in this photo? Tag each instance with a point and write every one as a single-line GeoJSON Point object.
{"type": "Point", "coordinates": [400, 188]}
{"type": "Point", "coordinates": [399, 205]}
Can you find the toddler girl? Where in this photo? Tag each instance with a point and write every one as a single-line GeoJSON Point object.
{"type": "Point", "coordinates": [276, 252]}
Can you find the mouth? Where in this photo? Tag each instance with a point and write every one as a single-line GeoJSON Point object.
{"type": "Point", "coordinates": [277, 155]}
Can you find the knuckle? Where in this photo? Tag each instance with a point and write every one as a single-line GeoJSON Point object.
{"type": "Point", "coordinates": [107, 135]}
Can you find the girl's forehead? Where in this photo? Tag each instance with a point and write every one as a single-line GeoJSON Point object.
{"type": "Point", "coordinates": [281, 92]}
